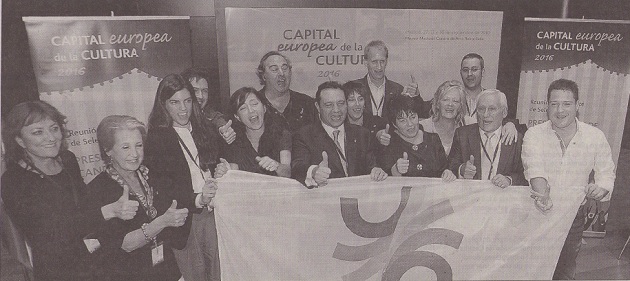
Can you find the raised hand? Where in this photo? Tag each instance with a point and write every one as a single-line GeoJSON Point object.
{"type": "Point", "coordinates": [222, 168]}
{"type": "Point", "coordinates": [509, 133]}
{"type": "Point", "coordinates": [174, 217]}
{"type": "Point", "coordinates": [321, 173]}
{"type": "Point", "coordinates": [411, 89]}
{"type": "Point", "coordinates": [227, 132]}
{"type": "Point", "coordinates": [267, 163]}
{"type": "Point", "coordinates": [469, 168]}
{"type": "Point", "coordinates": [402, 164]}
{"type": "Point", "coordinates": [124, 208]}
{"type": "Point", "coordinates": [383, 136]}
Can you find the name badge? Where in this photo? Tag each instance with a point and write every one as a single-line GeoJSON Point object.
{"type": "Point", "coordinates": [157, 253]}
{"type": "Point", "coordinates": [91, 244]}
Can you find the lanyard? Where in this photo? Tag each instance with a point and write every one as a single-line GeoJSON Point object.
{"type": "Point", "coordinates": [494, 156]}
{"type": "Point", "coordinates": [194, 159]}
{"type": "Point", "coordinates": [379, 105]}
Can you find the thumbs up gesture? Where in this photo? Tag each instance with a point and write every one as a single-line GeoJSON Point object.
{"type": "Point", "coordinates": [123, 208]}
{"type": "Point", "coordinates": [469, 168]}
{"type": "Point", "coordinates": [222, 168]}
{"type": "Point", "coordinates": [402, 165]}
{"type": "Point", "coordinates": [411, 89]}
{"type": "Point", "coordinates": [173, 217]}
{"type": "Point", "coordinates": [267, 163]}
{"type": "Point", "coordinates": [227, 132]}
{"type": "Point", "coordinates": [383, 136]}
{"type": "Point", "coordinates": [321, 173]}
{"type": "Point", "coordinates": [208, 191]}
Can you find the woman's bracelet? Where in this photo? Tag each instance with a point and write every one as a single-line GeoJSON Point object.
{"type": "Point", "coordinates": [144, 231]}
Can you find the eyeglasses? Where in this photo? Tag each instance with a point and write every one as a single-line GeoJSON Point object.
{"type": "Point", "coordinates": [274, 68]}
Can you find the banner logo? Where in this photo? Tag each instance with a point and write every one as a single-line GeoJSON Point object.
{"type": "Point", "coordinates": [406, 254]}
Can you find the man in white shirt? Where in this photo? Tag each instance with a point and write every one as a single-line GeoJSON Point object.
{"type": "Point", "coordinates": [561, 153]}
{"type": "Point", "coordinates": [329, 148]}
{"type": "Point", "coordinates": [478, 153]}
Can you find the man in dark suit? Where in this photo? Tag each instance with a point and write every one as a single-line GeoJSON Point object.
{"type": "Point", "coordinates": [478, 153]}
{"type": "Point", "coordinates": [330, 148]}
{"type": "Point", "coordinates": [381, 90]}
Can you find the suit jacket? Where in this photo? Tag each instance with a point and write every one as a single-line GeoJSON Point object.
{"type": "Point", "coordinates": [311, 140]}
{"type": "Point", "coordinates": [467, 141]}
{"type": "Point", "coordinates": [391, 90]}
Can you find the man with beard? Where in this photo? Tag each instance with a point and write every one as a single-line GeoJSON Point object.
{"type": "Point", "coordinates": [329, 148]}
{"type": "Point", "coordinates": [291, 109]}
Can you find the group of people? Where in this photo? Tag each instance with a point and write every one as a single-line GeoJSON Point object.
{"type": "Point", "coordinates": [150, 214]}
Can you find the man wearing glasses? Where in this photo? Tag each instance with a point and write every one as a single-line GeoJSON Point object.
{"type": "Point", "coordinates": [292, 109]}
{"type": "Point", "coordinates": [477, 151]}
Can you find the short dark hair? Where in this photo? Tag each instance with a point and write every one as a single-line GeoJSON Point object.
{"type": "Point", "coordinates": [327, 85]}
{"type": "Point", "coordinates": [238, 99]}
{"type": "Point", "coordinates": [398, 105]}
{"type": "Point", "coordinates": [25, 114]}
{"type": "Point", "coordinates": [352, 87]}
{"type": "Point", "coordinates": [473, 56]}
{"type": "Point", "coordinates": [563, 85]}
{"type": "Point", "coordinates": [260, 71]}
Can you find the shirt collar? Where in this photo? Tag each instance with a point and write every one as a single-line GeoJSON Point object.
{"type": "Point", "coordinates": [373, 84]}
{"type": "Point", "coordinates": [329, 130]}
{"type": "Point", "coordinates": [483, 133]}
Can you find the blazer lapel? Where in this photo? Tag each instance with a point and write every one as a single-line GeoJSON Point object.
{"type": "Point", "coordinates": [368, 106]}
{"type": "Point", "coordinates": [474, 142]}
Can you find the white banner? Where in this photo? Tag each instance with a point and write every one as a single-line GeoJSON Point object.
{"type": "Point", "coordinates": [400, 229]}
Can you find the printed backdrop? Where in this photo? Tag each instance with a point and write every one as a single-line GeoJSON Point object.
{"type": "Point", "coordinates": [90, 68]}
{"type": "Point", "coordinates": [327, 44]}
{"type": "Point", "coordinates": [595, 54]}
{"type": "Point", "coordinates": [400, 229]}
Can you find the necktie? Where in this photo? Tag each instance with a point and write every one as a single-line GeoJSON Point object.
{"type": "Point", "coordinates": [344, 164]}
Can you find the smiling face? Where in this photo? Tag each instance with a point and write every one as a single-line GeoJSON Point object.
{"type": "Point", "coordinates": [376, 62]}
{"type": "Point", "coordinates": [127, 152]}
{"type": "Point", "coordinates": [407, 125]}
{"type": "Point", "coordinates": [490, 113]}
{"type": "Point", "coordinates": [201, 90]}
{"type": "Point", "coordinates": [277, 74]}
{"type": "Point", "coordinates": [179, 107]}
{"type": "Point", "coordinates": [450, 104]}
{"type": "Point", "coordinates": [332, 107]}
{"type": "Point", "coordinates": [562, 109]}
{"type": "Point", "coordinates": [251, 113]}
{"type": "Point", "coordinates": [41, 140]}
{"type": "Point", "coordinates": [472, 73]}
{"type": "Point", "coordinates": [356, 105]}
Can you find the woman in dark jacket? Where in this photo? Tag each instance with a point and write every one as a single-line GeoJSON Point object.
{"type": "Point", "coordinates": [412, 152]}
{"type": "Point", "coordinates": [182, 149]}
{"type": "Point", "coordinates": [44, 194]}
{"type": "Point", "coordinates": [139, 248]}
